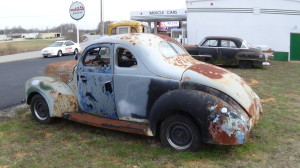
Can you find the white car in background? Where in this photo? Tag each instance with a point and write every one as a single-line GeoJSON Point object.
{"type": "Point", "coordinates": [60, 48]}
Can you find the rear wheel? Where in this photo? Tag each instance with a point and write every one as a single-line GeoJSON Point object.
{"type": "Point", "coordinates": [76, 51]}
{"type": "Point", "coordinates": [246, 64]}
{"type": "Point", "coordinates": [59, 53]}
{"type": "Point", "coordinates": [180, 133]}
{"type": "Point", "coordinates": [40, 110]}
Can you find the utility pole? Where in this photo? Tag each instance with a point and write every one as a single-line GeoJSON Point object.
{"type": "Point", "coordinates": [101, 18]}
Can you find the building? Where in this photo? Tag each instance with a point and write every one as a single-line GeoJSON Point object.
{"type": "Point", "coordinates": [275, 23]}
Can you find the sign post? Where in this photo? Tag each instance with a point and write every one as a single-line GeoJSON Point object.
{"type": "Point", "coordinates": [77, 12]}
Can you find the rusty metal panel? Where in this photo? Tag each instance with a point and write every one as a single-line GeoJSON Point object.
{"type": "Point", "coordinates": [131, 127]}
{"type": "Point", "coordinates": [59, 96]}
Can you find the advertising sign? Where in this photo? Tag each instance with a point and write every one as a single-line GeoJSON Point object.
{"type": "Point", "coordinates": [77, 10]}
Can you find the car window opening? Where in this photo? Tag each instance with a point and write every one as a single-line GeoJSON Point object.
{"type": "Point", "coordinates": [98, 57]}
{"type": "Point", "coordinates": [125, 58]}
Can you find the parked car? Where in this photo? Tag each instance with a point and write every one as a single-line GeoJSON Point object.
{"type": "Point", "coordinates": [59, 48]}
{"type": "Point", "coordinates": [233, 51]}
{"type": "Point", "coordinates": [147, 84]}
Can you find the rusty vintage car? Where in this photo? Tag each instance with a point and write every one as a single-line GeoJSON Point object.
{"type": "Point", "coordinates": [147, 84]}
{"type": "Point", "coordinates": [232, 51]}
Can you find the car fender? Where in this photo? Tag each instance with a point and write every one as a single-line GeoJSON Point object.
{"type": "Point", "coordinates": [213, 116]}
{"type": "Point", "coordinates": [59, 96]}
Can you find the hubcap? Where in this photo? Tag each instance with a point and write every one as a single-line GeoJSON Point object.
{"type": "Point", "coordinates": [179, 136]}
{"type": "Point", "coordinates": [41, 110]}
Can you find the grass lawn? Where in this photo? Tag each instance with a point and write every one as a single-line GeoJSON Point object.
{"type": "Point", "coordinates": [274, 142]}
{"type": "Point", "coordinates": [14, 47]}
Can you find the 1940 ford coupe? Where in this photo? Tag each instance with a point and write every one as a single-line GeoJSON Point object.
{"type": "Point", "coordinates": [147, 84]}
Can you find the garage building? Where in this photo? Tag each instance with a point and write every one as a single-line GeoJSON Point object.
{"type": "Point", "coordinates": [275, 23]}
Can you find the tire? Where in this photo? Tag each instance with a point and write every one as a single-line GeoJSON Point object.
{"type": "Point", "coordinates": [76, 51]}
{"type": "Point", "coordinates": [45, 56]}
{"type": "Point", "coordinates": [59, 53]}
{"type": "Point", "coordinates": [245, 64]}
{"type": "Point", "coordinates": [180, 133]}
{"type": "Point", "coordinates": [40, 110]}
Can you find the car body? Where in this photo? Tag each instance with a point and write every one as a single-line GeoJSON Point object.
{"type": "Point", "coordinates": [59, 48]}
{"type": "Point", "coordinates": [233, 51]}
{"type": "Point", "coordinates": [267, 50]}
{"type": "Point", "coordinates": [147, 84]}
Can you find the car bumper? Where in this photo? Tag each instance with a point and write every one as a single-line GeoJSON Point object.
{"type": "Point", "coordinates": [261, 63]}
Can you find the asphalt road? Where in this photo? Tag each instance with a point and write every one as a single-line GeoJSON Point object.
{"type": "Point", "coordinates": [14, 74]}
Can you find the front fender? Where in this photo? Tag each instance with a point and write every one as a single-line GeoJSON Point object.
{"type": "Point", "coordinates": [219, 122]}
{"type": "Point", "coordinates": [59, 96]}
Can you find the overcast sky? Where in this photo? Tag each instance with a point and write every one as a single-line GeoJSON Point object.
{"type": "Point", "coordinates": [50, 13]}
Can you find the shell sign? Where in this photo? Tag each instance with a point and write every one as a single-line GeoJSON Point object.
{"type": "Point", "coordinates": [77, 10]}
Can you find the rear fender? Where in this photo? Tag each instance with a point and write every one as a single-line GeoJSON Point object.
{"type": "Point", "coordinates": [219, 122]}
{"type": "Point", "coordinates": [59, 96]}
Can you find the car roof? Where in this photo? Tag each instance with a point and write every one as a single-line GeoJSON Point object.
{"type": "Point", "coordinates": [224, 37]}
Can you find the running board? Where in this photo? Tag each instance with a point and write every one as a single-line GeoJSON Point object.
{"type": "Point", "coordinates": [125, 126]}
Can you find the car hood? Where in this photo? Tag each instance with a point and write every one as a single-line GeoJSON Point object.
{"type": "Point", "coordinates": [62, 71]}
{"type": "Point", "coordinates": [226, 82]}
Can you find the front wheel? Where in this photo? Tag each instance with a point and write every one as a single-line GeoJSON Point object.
{"type": "Point", "coordinates": [180, 133]}
{"type": "Point", "coordinates": [40, 110]}
{"type": "Point", "coordinates": [59, 53]}
{"type": "Point", "coordinates": [245, 64]}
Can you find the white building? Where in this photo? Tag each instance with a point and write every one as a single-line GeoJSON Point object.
{"type": "Point", "coordinates": [275, 23]}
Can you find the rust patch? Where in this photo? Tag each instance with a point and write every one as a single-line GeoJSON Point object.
{"type": "Point", "coordinates": [209, 71]}
{"type": "Point", "coordinates": [64, 103]}
{"type": "Point", "coordinates": [167, 38]}
{"type": "Point", "coordinates": [125, 126]}
{"type": "Point", "coordinates": [183, 61]}
{"type": "Point", "coordinates": [61, 70]}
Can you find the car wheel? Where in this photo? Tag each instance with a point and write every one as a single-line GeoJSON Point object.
{"type": "Point", "coordinates": [180, 133]}
{"type": "Point", "coordinates": [76, 51]}
{"type": "Point", "coordinates": [45, 56]}
{"type": "Point", "coordinates": [59, 53]}
{"type": "Point", "coordinates": [40, 110]}
{"type": "Point", "coordinates": [246, 64]}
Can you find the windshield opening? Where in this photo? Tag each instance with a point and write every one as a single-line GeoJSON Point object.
{"type": "Point", "coordinates": [56, 44]}
{"type": "Point", "coordinates": [170, 49]}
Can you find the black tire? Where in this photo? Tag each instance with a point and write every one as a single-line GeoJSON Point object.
{"type": "Point", "coordinates": [59, 53]}
{"type": "Point", "coordinates": [45, 56]}
{"type": "Point", "coordinates": [76, 51]}
{"type": "Point", "coordinates": [180, 133]}
{"type": "Point", "coordinates": [40, 110]}
{"type": "Point", "coordinates": [246, 64]}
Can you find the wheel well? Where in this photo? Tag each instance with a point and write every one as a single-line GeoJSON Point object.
{"type": "Point", "coordinates": [30, 96]}
{"type": "Point", "coordinates": [175, 112]}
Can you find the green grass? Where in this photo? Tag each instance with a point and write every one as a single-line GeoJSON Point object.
{"type": "Point", "coordinates": [15, 47]}
{"type": "Point", "coordinates": [274, 142]}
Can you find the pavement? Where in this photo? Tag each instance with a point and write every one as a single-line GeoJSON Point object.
{"type": "Point", "coordinates": [21, 56]}
{"type": "Point", "coordinates": [37, 54]}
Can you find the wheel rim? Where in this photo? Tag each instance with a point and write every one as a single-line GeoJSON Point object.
{"type": "Point", "coordinates": [41, 110]}
{"type": "Point", "coordinates": [75, 52]}
{"type": "Point", "coordinates": [179, 136]}
{"type": "Point", "coordinates": [59, 53]}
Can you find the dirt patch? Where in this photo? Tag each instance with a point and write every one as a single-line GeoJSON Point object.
{"type": "Point", "coordinates": [252, 82]}
{"type": "Point", "coordinates": [268, 100]}
{"type": "Point", "coordinates": [21, 154]}
{"type": "Point", "coordinates": [11, 112]}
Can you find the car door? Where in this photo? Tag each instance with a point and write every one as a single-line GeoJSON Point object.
{"type": "Point", "coordinates": [95, 81]}
{"type": "Point", "coordinates": [209, 49]}
{"type": "Point", "coordinates": [69, 47]}
{"type": "Point", "coordinates": [227, 52]}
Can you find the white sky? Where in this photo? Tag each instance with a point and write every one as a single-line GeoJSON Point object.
{"type": "Point", "coordinates": [42, 14]}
